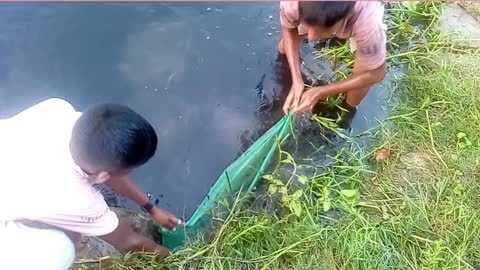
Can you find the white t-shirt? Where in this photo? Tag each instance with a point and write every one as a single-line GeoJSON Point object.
{"type": "Point", "coordinates": [38, 178]}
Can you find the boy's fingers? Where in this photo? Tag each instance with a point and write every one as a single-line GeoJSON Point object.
{"type": "Point", "coordinates": [287, 104]}
{"type": "Point", "coordinates": [296, 101]}
{"type": "Point", "coordinates": [180, 222]}
{"type": "Point", "coordinates": [172, 220]}
{"type": "Point", "coordinates": [176, 221]}
{"type": "Point", "coordinates": [295, 106]}
{"type": "Point", "coordinates": [170, 226]}
{"type": "Point", "coordinates": [300, 108]}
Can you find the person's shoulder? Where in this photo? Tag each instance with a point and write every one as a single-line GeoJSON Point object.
{"type": "Point", "coordinates": [289, 8]}
{"type": "Point", "coordinates": [364, 10]}
{"type": "Point", "coordinates": [368, 17]}
{"type": "Point", "coordinates": [291, 5]}
{"type": "Point", "coordinates": [367, 5]}
{"type": "Point", "coordinates": [289, 14]}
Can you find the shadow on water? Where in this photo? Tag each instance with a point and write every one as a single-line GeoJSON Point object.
{"type": "Point", "coordinates": [206, 75]}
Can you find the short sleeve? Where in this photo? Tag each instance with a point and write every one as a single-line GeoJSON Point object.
{"type": "Point", "coordinates": [371, 52]}
{"type": "Point", "coordinates": [87, 213]}
{"type": "Point", "coordinates": [370, 37]}
{"type": "Point", "coordinates": [289, 14]}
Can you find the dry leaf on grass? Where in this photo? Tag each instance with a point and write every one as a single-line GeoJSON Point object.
{"type": "Point", "coordinates": [382, 154]}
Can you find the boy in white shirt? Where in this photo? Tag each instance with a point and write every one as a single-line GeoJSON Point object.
{"type": "Point", "coordinates": [50, 157]}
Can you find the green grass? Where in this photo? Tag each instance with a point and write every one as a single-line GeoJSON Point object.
{"type": "Point", "coordinates": [419, 209]}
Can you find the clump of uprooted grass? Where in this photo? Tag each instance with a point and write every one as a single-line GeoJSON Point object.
{"type": "Point", "coordinates": [416, 209]}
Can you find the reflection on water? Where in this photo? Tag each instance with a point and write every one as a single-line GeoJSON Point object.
{"type": "Point", "coordinates": [206, 75]}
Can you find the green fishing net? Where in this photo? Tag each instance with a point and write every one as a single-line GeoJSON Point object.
{"type": "Point", "coordinates": [242, 175]}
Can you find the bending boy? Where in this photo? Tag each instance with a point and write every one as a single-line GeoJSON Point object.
{"type": "Point", "coordinates": [50, 157]}
{"type": "Point", "coordinates": [361, 22]}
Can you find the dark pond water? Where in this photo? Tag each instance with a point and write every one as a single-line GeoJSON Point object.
{"type": "Point", "coordinates": [207, 76]}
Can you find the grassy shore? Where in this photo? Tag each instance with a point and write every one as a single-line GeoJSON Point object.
{"type": "Point", "coordinates": [410, 202]}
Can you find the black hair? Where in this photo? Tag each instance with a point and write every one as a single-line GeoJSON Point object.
{"type": "Point", "coordinates": [112, 136]}
{"type": "Point", "coordinates": [325, 14]}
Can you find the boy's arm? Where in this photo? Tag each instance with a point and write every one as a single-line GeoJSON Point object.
{"type": "Point", "coordinates": [292, 51]}
{"type": "Point", "coordinates": [124, 239]}
{"type": "Point", "coordinates": [360, 80]}
{"type": "Point", "coordinates": [127, 188]}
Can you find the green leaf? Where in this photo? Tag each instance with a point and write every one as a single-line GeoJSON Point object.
{"type": "Point", "coordinates": [272, 189]}
{"type": "Point", "coordinates": [296, 208]}
{"type": "Point", "coordinates": [297, 194]}
{"type": "Point", "coordinates": [326, 193]}
{"type": "Point", "coordinates": [385, 214]}
{"type": "Point", "coordinates": [408, 28]}
{"type": "Point", "coordinates": [327, 205]}
{"type": "Point", "coordinates": [465, 144]}
{"type": "Point", "coordinates": [461, 135]}
{"type": "Point", "coordinates": [268, 177]}
{"type": "Point", "coordinates": [302, 179]}
{"type": "Point", "coordinates": [349, 193]}
{"type": "Point", "coordinates": [284, 191]}
{"type": "Point", "coordinates": [403, 205]}
{"type": "Point", "coordinates": [288, 160]}
{"type": "Point", "coordinates": [468, 142]}
{"type": "Point", "coordinates": [409, 5]}
{"type": "Point", "coordinates": [277, 182]}
{"type": "Point", "coordinates": [459, 189]}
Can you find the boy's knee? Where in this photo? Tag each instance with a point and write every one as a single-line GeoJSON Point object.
{"type": "Point", "coordinates": [60, 248]}
{"type": "Point", "coordinates": [47, 248]}
{"type": "Point", "coordinates": [61, 241]}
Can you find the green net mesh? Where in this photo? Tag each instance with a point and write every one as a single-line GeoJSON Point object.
{"type": "Point", "coordinates": [242, 175]}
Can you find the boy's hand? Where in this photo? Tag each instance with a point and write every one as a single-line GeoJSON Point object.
{"type": "Point", "coordinates": [293, 98]}
{"type": "Point", "coordinates": [309, 99]}
{"type": "Point", "coordinates": [165, 218]}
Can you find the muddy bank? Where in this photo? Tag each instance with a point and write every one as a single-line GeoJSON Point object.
{"type": "Point", "coordinates": [461, 23]}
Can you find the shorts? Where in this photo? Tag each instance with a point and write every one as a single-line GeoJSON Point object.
{"type": "Point", "coordinates": [26, 248]}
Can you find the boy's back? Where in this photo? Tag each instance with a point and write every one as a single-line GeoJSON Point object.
{"type": "Point", "coordinates": [38, 168]}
